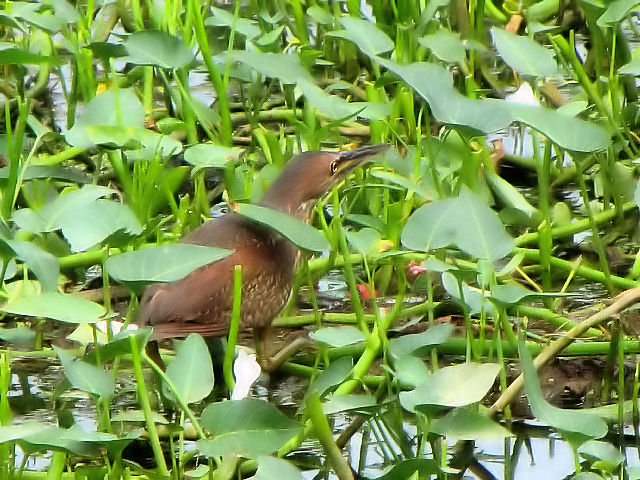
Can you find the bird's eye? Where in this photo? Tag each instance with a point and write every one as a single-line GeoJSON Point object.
{"type": "Point", "coordinates": [334, 167]}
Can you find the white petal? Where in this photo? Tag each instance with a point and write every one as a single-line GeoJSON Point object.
{"type": "Point", "coordinates": [524, 95]}
{"type": "Point", "coordinates": [246, 370]}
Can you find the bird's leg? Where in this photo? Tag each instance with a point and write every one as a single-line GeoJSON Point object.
{"type": "Point", "coordinates": [263, 338]}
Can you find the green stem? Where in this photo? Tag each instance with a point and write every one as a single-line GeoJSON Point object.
{"type": "Point", "coordinates": [234, 327]}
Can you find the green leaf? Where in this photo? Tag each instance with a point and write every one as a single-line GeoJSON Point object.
{"type": "Point", "coordinates": [580, 425]}
{"type": "Point", "coordinates": [247, 428]}
{"type": "Point", "coordinates": [18, 56]}
{"type": "Point", "coordinates": [285, 67]}
{"type": "Point", "coordinates": [300, 233]}
{"type": "Point", "coordinates": [467, 424]}
{"type": "Point", "coordinates": [57, 306]}
{"type": "Point", "coordinates": [602, 455]}
{"type": "Point", "coordinates": [367, 37]}
{"type": "Point", "coordinates": [336, 373]}
{"type": "Point", "coordinates": [164, 263]}
{"type": "Point", "coordinates": [445, 45]}
{"type": "Point", "coordinates": [452, 386]}
{"type": "Point", "coordinates": [465, 221]}
{"type": "Point", "coordinates": [410, 370]}
{"type": "Point", "coordinates": [45, 266]}
{"type": "Point", "coordinates": [524, 54]}
{"type": "Point", "coordinates": [435, 85]}
{"type": "Point", "coordinates": [365, 241]}
{"type": "Point", "coordinates": [18, 335]}
{"type": "Point", "coordinates": [332, 106]}
{"type": "Point", "coordinates": [405, 469]}
{"type": "Point", "coordinates": [338, 336]}
{"type": "Point", "coordinates": [243, 26]}
{"type": "Point", "coordinates": [205, 155]}
{"type": "Point", "coordinates": [420, 343]}
{"type": "Point", "coordinates": [568, 132]}
{"type": "Point", "coordinates": [84, 376]}
{"type": "Point", "coordinates": [153, 47]}
{"type": "Point", "coordinates": [191, 371]}
{"type": "Point", "coordinates": [97, 221]}
{"type": "Point", "coordinates": [631, 68]}
{"type": "Point", "coordinates": [52, 216]}
{"type": "Point", "coordinates": [273, 468]}
{"type": "Point", "coordinates": [349, 403]}
{"type": "Point", "coordinates": [514, 294]}
{"type": "Point", "coordinates": [102, 111]}
{"type": "Point", "coordinates": [10, 433]}
{"type": "Point", "coordinates": [615, 12]}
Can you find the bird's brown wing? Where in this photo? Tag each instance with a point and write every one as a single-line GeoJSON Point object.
{"type": "Point", "coordinates": [201, 301]}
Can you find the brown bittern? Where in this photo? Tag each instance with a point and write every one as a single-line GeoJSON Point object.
{"type": "Point", "coordinates": [201, 302]}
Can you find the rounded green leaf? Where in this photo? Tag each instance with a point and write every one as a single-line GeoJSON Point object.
{"type": "Point", "coordinates": [445, 45]}
{"type": "Point", "coordinates": [300, 233]}
{"type": "Point", "coordinates": [164, 263]}
{"type": "Point", "coordinates": [453, 386]}
{"type": "Point", "coordinates": [285, 67]}
{"type": "Point", "coordinates": [420, 343]}
{"type": "Point", "coordinates": [581, 425]}
{"type": "Point", "coordinates": [85, 376]}
{"type": "Point", "coordinates": [57, 306]}
{"type": "Point", "coordinates": [273, 468]}
{"type": "Point", "coordinates": [191, 371]}
{"type": "Point", "coordinates": [121, 109]}
{"type": "Point", "coordinates": [338, 336]}
{"type": "Point", "coordinates": [435, 85]}
{"type": "Point", "coordinates": [153, 47]}
{"type": "Point", "coordinates": [246, 428]}
{"type": "Point", "coordinates": [524, 54]}
{"type": "Point", "coordinates": [468, 424]}
{"type": "Point", "coordinates": [367, 37]}
{"type": "Point", "coordinates": [205, 155]}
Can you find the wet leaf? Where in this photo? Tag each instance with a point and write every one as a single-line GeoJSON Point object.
{"type": "Point", "coordinates": [164, 263]}
{"type": "Point", "coordinates": [84, 376]}
{"type": "Point", "coordinates": [57, 306]}
{"type": "Point", "coordinates": [338, 336]}
{"type": "Point", "coordinates": [273, 468]}
{"type": "Point", "coordinates": [452, 386]}
{"type": "Point", "coordinates": [153, 47]}
{"type": "Point", "coordinates": [245, 428]}
{"type": "Point", "coordinates": [300, 233]}
{"type": "Point", "coordinates": [191, 371]}
{"type": "Point", "coordinates": [524, 54]}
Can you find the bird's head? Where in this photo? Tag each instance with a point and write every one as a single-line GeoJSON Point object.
{"type": "Point", "coordinates": [310, 175]}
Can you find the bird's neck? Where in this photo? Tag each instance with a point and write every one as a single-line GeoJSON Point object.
{"type": "Point", "coordinates": [288, 202]}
